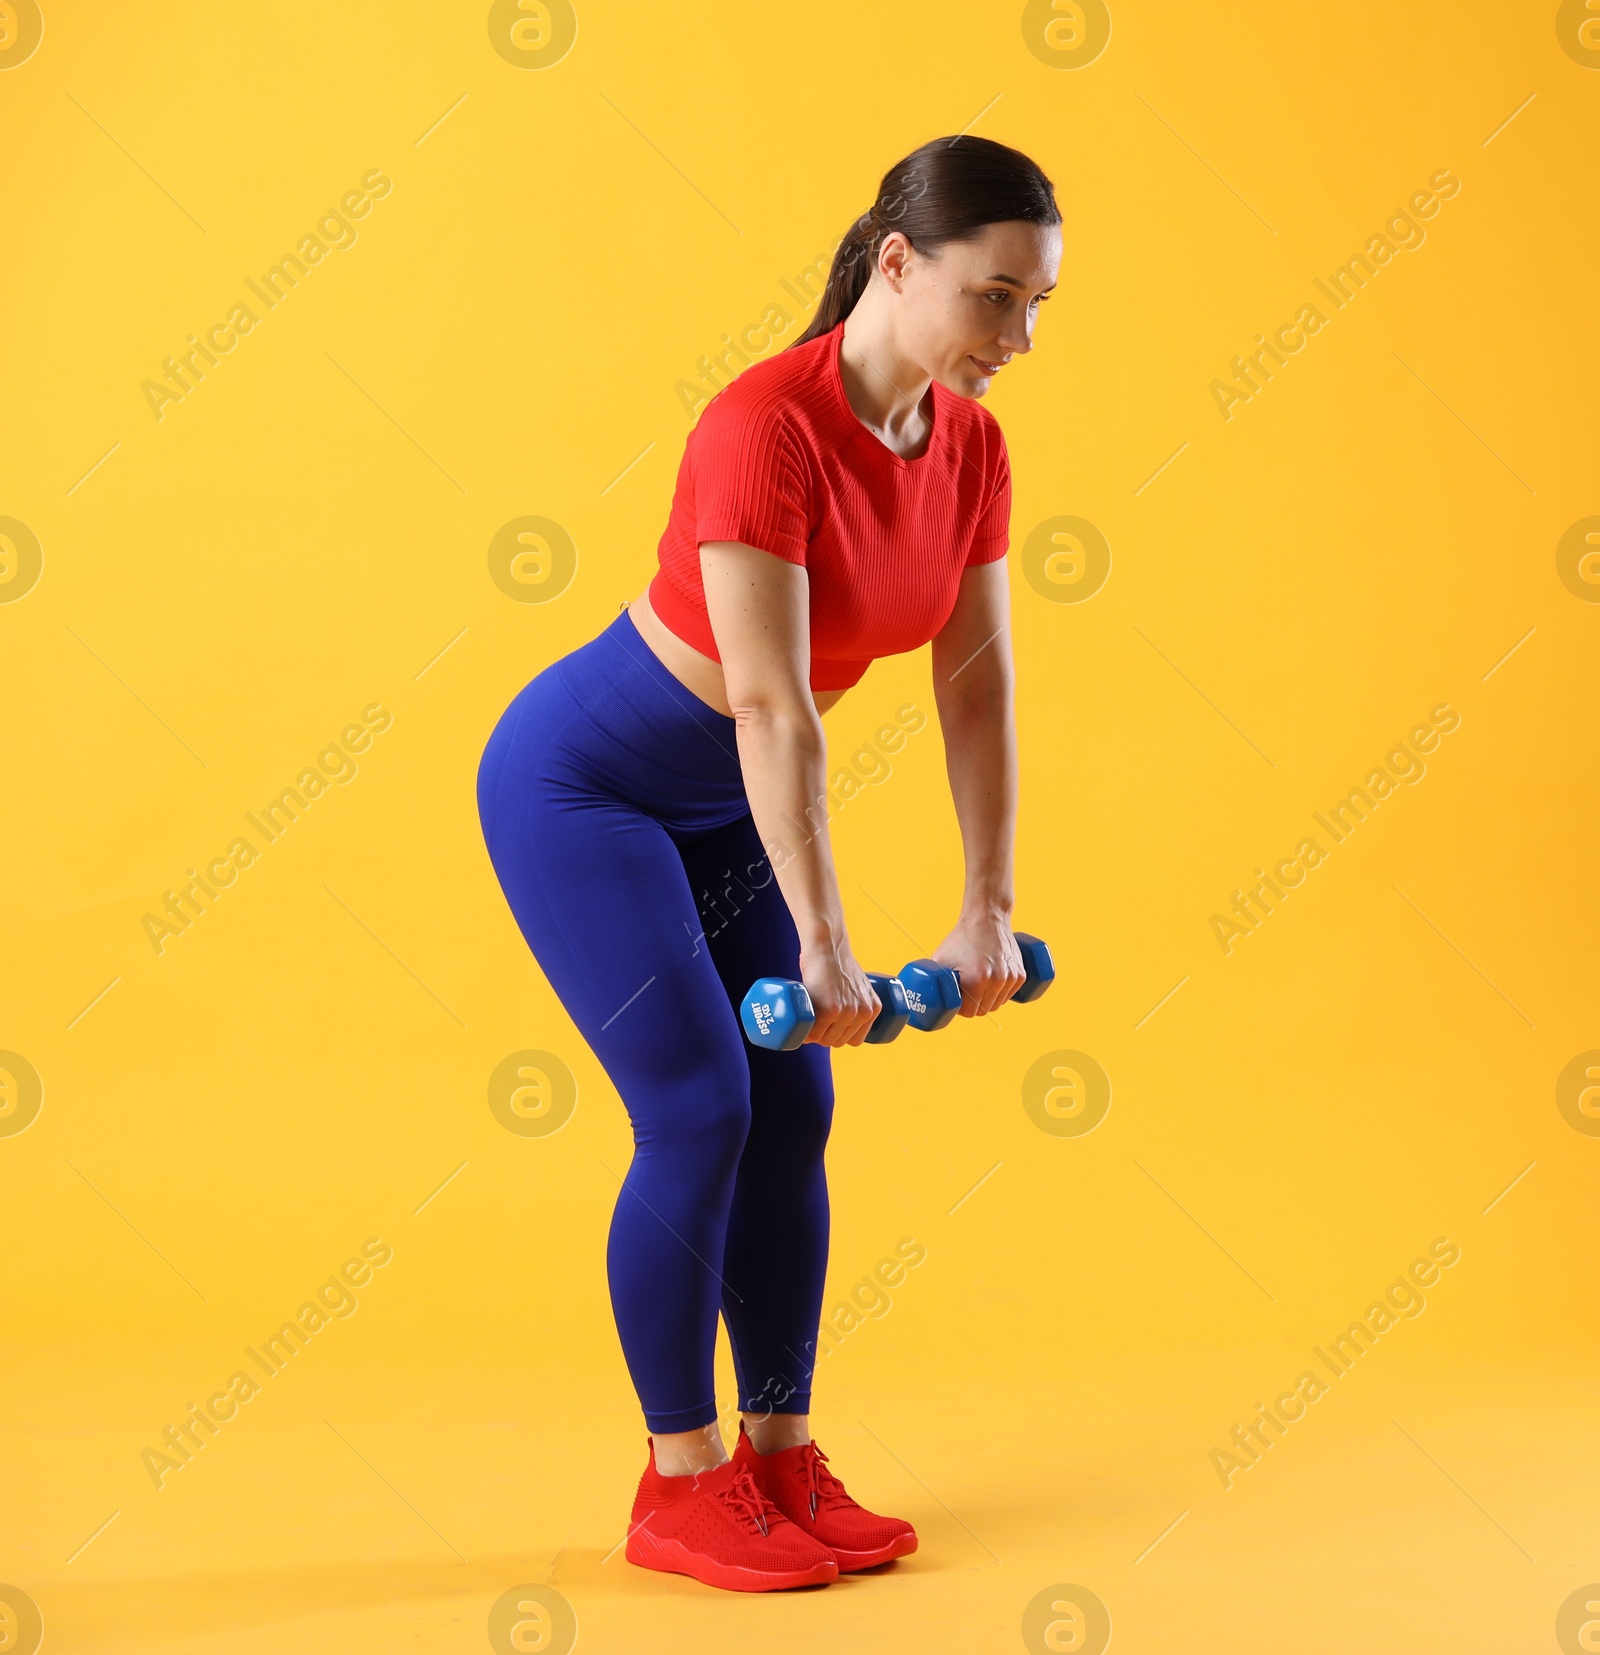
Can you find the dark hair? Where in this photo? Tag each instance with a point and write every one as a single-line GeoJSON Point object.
{"type": "Point", "coordinates": [946, 191]}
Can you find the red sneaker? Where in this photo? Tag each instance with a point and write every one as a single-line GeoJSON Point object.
{"type": "Point", "coordinates": [798, 1482]}
{"type": "Point", "coordinates": [718, 1527]}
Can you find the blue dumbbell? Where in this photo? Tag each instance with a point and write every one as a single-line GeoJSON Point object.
{"type": "Point", "coordinates": [896, 1011]}
{"type": "Point", "coordinates": [933, 991]}
{"type": "Point", "coordinates": [777, 1012]}
{"type": "Point", "coordinates": [1039, 970]}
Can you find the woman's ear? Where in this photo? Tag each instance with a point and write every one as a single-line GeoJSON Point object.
{"type": "Point", "coordinates": [894, 259]}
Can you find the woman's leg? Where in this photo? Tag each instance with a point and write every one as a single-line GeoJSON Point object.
{"type": "Point", "coordinates": [776, 1252]}
{"type": "Point", "coordinates": [601, 896]}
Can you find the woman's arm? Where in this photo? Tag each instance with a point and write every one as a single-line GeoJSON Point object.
{"type": "Point", "coordinates": [759, 606]}
{"type": "Point", "coordinates": [973, 688]}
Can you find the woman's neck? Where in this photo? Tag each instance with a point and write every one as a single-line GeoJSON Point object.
{"type": "Point", "coordinates": [885, 388]}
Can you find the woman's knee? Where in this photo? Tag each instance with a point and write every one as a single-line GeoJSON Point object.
{"type": "Point", "coordinates": [792, 1099]}
{"type": "Point", "coordinates": [703, 1115]}
{"type": "Point", "coordinates": [719, 1125]}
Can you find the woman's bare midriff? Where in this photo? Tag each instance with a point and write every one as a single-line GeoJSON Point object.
{"type": "Point", "coordinates": [698, 673]}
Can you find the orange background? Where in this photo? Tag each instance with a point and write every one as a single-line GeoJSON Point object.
{"type": "Point", "coordinates": [307, 533]}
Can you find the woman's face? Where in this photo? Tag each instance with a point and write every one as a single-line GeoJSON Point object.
{"type": "Point", "coordinates": [965, 309]}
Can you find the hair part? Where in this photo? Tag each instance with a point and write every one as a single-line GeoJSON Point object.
{"type": "Point", "coordinates": [948, 190]}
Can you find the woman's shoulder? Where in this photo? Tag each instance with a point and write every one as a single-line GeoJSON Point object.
{"type": "Point", "coordinates": [790, 386]}
{"type": "Point", "coordinates": [966, 416]}
{"type": "Point", "coordinates": [974, 431]}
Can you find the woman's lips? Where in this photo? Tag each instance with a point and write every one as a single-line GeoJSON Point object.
{"type": "Point", "coordinates": [987, 369]}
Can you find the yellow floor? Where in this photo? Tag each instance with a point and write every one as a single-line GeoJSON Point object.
{"type": "Point", "coordinates": [1422, 1506]}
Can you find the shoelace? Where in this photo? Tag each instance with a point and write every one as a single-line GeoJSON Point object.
{"type": "Point", "coordinates": [824, 1487]}
{"type": "Point", "coordinates": [747, 1503]}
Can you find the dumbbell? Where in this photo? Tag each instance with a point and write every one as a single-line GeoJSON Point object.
{"type": "Point", "coordinates": [933, 991]}
{"type": "Point", "coordinates": [777, 1012]}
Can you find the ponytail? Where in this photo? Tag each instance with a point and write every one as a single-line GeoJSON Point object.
{"type": "Point", "coordinates": [948, 190]}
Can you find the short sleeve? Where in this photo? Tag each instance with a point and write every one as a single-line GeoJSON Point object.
{"type": "Point", "coordinates": [993, 534]}
{"type": "Point", "coordinates": [751, 482]}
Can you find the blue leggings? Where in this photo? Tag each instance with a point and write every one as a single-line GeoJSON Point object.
{"type": "Point", "coordinates": [615, 815]}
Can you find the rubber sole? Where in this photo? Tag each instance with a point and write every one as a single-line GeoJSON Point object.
{"type": "Point", "coordinates": [849, 1562]}
{"type": "Point", "coordinates": [673, 1557]}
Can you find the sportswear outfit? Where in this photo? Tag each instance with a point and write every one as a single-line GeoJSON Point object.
{"type": "Point", "coordinates": [614, 811]}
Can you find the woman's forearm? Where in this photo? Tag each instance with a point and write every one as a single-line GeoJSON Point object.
{"type": "Point", "coordinates": [981, 760]}
{"type": "Point", "coordinates": [783, 753]}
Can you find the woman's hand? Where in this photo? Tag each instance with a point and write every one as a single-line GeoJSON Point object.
{"type": "Point", "coordinates": [983, 950]}
{"type": "Point", "coordinates": [841, 996]}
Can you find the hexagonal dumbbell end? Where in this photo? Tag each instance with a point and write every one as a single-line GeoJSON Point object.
{"type": "Point", "coordinates": [1036, 962]}
{"type": "Point", "coordinates": [933, 993]}
{"type": "Point", "coordinates": [896, 1011]}
{"type": "Point", "coordinates": [777, 1013]}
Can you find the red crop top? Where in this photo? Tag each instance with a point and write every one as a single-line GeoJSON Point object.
{"type": "Point", "coordinates": [780, 461]}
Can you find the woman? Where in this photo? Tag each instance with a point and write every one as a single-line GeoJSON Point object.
{"type": "Point", "coordinates": [843, 500]}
